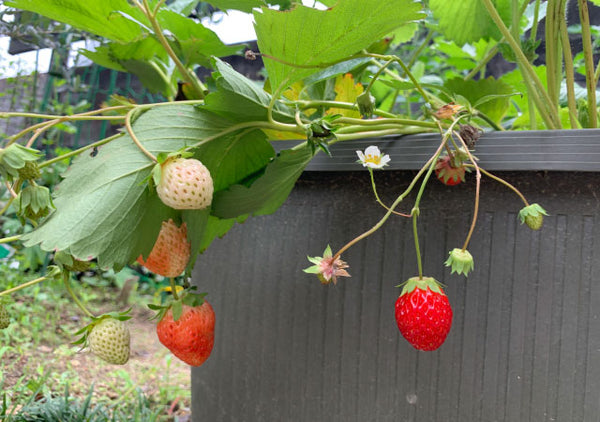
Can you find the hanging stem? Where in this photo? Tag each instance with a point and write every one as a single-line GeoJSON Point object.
{"type": "Point", "coordinates": [504, 182]}
{"type": "Point", "coordinates": [66, 276]}
{"type": "Point", "coordinates": [417, 248]}
{"type": "Point", "coordinates": [173, 288]}
{"type": "Point", "coordinates": [379, 200]}
{"type": "Point", "coordinates": [477, 188]}
{"type": "Point", "coordinates": [394, 205]}
{"type": "Point", "coordinates": [80, 150]}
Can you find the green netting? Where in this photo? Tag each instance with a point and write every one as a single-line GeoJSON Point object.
{"type": "Point", "coordinates": [85, 89]}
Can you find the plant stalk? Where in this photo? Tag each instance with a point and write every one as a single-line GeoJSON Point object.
{"type": "Point", "coordinates": [588, 54]}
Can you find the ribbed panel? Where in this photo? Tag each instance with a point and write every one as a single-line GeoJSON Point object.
{"type": "Point", "coordinates": [565, 150]}
{"type": "Point", "coordinates": [525, 342]}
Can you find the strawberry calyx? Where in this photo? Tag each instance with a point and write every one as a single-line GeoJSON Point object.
{"type": "Point", "coordinates": [533, 216]}
{"type": "Point", "coordinates": [85, 331]}
{"type": "Point", "coordinates": [185, 297]}
{"type": "Point", "coordinates": [422, 283]}
{"type": "Point", "coordinates": [461, 261]}
{"type": "Point", "coordinates": [15, 157]}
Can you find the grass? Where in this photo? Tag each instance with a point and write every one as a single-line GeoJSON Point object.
{"type": "Point", "coordinates": [40, 367]}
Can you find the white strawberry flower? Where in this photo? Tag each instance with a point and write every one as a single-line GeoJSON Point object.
{"type": "Point", "coordinates": [373, 158]}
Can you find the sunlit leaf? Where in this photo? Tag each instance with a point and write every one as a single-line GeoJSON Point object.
{"type": "Point", "coordinates": [346, 91]}
{"type": "Point", "coordinates": [295, 38]}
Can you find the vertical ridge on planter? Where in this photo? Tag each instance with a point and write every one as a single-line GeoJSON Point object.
{"type": "Point", "coordinates": [525, 340]}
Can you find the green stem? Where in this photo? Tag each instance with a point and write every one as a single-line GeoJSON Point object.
{"type": "Point", "coordinates": [10, 238]}
{"type": "Point", "coordinates": [378, 74]}
{"type": "Point", "coordinates": [588, 54]}
{"type": "Point", "coordinates": [406, 71]}
{"type": "Point", "coordinates": [173, 288]}
{"type": "Point", "coordinates": [477, 189]}
{"type": "Point", "coordinates": [394, 205]}
{"type": "Point", "coordinates": [415, 213]}
{"type": "Point", "coordinates": [488, 120]}
{"type": "Point", "coordinates": [483, 62]}
{"type": "Point", "coordinates": [66, 276]}
{"type": "Point", "coordinates": [134, 138]}
{"type": "Point", "coordinates": [417, 53]}
{"type": "Point", "coordinates": [23, 286]}
{"type": "Point", "coordinates": [379, 201]}
{"type": "Point", "coordinates": [337, 104]}
{"type": "Point", "coordinates": [553, 64]}
{"type": "Point", "coordinates": [184, 71]}
{"type": "Point", "coordinates": [504, 182]}
{"type": "Point", "coordinates": [548, 112]}
{"type": "Point", "coordinates": [536, 17]}
{"type": "Point", "coordinates": [377, 122]}
{"type": "Point", "coordinates": [374, 134]}
{"type": "Point", "coordinates": [569, 74]}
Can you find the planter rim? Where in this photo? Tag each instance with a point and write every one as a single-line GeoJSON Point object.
{"type": "Point", "coordinates": [553, 150]}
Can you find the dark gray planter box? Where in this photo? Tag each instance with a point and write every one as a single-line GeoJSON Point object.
{"type": "Point", "coordinates": [525, 342]}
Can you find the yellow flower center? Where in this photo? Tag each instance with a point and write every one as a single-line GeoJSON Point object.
{"type": "Point", "coordinates": [375, 159]}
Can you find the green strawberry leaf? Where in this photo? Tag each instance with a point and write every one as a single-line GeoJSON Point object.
{"type": "Point", "coordinates": [468, 21]}
{"type": "Point", "coordinates": [268, 192]}
{"type": "Point", "coordinates": [104, 209]}
{"type": "Point", "coordinates": [99, 17]}
{"type": "Point", "coordinates": [491, 95]}
{"type": "Point", "coordinates": [241, 99]}
{"type": "Point", "coordinates": [295, 38]}
{"type": "Point", "coordinates": [194, 43]}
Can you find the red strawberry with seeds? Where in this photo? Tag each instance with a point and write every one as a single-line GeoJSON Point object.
{"type": "Point", "coordinates": [171, 252]}
{"type": "Point", "coordinates": [423, 313]}
{"type": "Point", "coordinates": [192, 336]}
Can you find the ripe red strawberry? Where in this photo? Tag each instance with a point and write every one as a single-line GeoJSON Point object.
{"type": "Point", "coordinates": [185, 183]}
{"type": "Point", "coordinates": [192, 336]}
{"type": "Point", "coordinates": [448, 172]}
{"type": "Point", "coordinates": [171, 252]}
{"type": "Point", "coordinates": [423, 313]}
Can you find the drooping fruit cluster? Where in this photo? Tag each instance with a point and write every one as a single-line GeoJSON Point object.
{"type": "Point", "coordinates": [192, 336]}
{"type": "Point", "coordinates": [185, 183]}
{"type": "Point", "coordinates": [109, 340]}
{"type": "Point", "coordinates": [423, 313]}
{"type": "Point", "coordinates": [4, 317]}
{"type": "Point", "coordinates": [171, 251]}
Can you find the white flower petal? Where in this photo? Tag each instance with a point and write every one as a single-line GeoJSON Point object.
{"type": "Point", "coordinates": [372, 150]}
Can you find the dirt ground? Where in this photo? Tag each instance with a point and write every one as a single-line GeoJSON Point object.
{"type": "Point", "coordinates": [166, 385]}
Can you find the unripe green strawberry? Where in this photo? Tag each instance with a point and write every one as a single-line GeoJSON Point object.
{"type": "Point", "coordinates": [109, 340]}
{"type": "Point", "coordinates": [4, 317]}
{"type": "Point", "coordinates": [533, 216]}
{"type": "Point", "coordinates": [171, 252]}
{"type": "Point", "coordinates": [185, 183]}
{"type": "Point", "coordinates": [30, 171]}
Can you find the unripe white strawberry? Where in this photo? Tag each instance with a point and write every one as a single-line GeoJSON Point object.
{"type": "Point", "coordinates": [185, 184]}
{"type": "Point", "coordinates": [109, 340]}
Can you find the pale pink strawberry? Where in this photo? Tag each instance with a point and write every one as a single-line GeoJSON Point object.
{"type": "Point", "coordinates": [185, 184]}
{"type": "Point", "coordinates": [171, 252]}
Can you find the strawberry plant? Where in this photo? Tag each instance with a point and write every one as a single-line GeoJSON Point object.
{"type": "Point", "coordinates": [181, 173]}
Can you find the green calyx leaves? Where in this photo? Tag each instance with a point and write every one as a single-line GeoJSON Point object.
{"type": "Point", "coordinates": [460, 261]}
{"type": "Point", "coordinates": [34, 202]}
{"type": "Point", "coordinates": [186, 297]}
{"type": "Point", "coordinates": [85, 331]}
{"type": "Point", "coordinates": [533, 216]}
{"type": "Point", "coordinates": [366, 104]}
{"type": "Point", "coordinates": [421, 283]}
{"type": "Point", "coordinates": [14, 158]}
